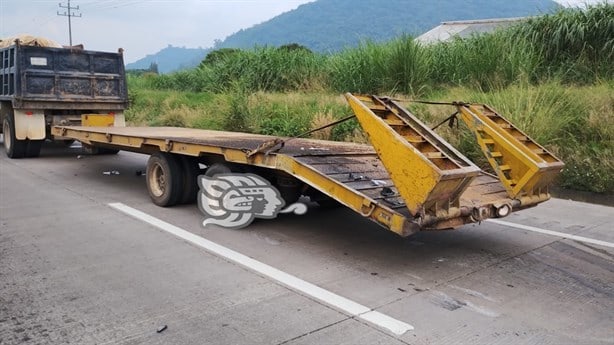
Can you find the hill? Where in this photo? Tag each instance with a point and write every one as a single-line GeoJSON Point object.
{"type": "Point", "coordinates": [330, 25]}
{"type": "Point", "coordinates": [171, 59]}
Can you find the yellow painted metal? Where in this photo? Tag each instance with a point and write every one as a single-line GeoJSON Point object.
{"type": "Point", "coordinates": [98, 120]}
{"type": "Point", "coordinates": [524, 167]}
{"type": "Point", "coordinates": [429, 174]}
{"type": "Point", "coordinates": [228, 144]}
{"type": "Point", "coordinates": [427, 184]}
{"type": "Point", "coordinates": [365, 206]}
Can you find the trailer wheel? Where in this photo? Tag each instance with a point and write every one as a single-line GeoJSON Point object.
{"type": "Point", "coordinates": [217, 168]}
{"type": "Point", "coordinates": [289, 188]}
{"type": "Point", "coordinates": [67, 142]}
{"type": "Point", "coordinates": [164, 179]}
{"type": "Point", "coordinates": [190, 170]}
{"type": "Point", "coordinates": [96, 150]}
{"type": "Point", "coordinates": [14, 148]}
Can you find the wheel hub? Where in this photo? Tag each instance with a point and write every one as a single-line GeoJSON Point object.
{"type": "Point", "coordinates": [158, 179]}
{"type": "Point", "coordinates": [6, 130]}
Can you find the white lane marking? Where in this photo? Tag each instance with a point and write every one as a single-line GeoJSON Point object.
{"type": "Point", "coordinates": [339, 302]}
{"type": "Point", "coordinates": [552, 233]}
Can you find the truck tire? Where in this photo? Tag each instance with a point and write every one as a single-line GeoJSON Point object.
{"type": "Point", "coordinates": [190, 170]}
{"type": "Point", "coordinates": [164, 179]}
{"type": "Point", "coordinates": [14, 148]}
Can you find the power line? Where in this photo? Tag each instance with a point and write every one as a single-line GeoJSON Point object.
{"type": "Point", "coordinates": [121, 4]}
{"type": "Point", "coordinates": [69, 13]}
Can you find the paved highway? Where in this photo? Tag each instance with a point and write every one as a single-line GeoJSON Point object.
{"type": "Point", "coordinates": [86, 258]}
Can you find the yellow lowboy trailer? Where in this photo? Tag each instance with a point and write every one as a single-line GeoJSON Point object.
{"type": "Point", "coordinates": [409, 178]}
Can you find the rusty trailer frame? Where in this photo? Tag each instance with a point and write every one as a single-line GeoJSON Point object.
{"type": "Point", "coordinates": [409, 178]}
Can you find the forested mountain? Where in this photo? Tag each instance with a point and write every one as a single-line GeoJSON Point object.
{"type": "Point", "coordinates": [171, 59]}
{"type": "Point", "coordinates": [330, 25]}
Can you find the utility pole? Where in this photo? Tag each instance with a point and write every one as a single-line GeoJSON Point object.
{"type": "Point", "coordinates": [69, 13]}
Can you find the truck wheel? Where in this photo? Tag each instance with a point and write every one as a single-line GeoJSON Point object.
{"type": "Point", "coordinates": [190, 170]}
{"type": "Point", "coordinates": [33, 149]}
{"type": "Point", "coordinates": [14, 148]}
{"type": "Point", "coordinates": [164, 179]}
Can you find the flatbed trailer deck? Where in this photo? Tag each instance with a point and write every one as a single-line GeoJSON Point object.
{"type": "Point", "coordinates": [355, 175]}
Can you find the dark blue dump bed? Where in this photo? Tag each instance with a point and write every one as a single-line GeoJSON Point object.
{"type": "Point", "coordinates": [43, 77]}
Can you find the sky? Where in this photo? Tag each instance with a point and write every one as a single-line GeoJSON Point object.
{"type": "Point", "coordinates": [143, 27]}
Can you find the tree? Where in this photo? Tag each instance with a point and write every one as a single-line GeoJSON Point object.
{"type": "Point", "coordinates": [295, 47]}
{"type": "Point", "coordinates": [153, 68]}
{"type": "Point", "coordinates": [218, 55]}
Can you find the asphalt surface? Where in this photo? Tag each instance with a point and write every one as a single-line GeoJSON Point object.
{"type": "Point", "coordinates": [74, 270]}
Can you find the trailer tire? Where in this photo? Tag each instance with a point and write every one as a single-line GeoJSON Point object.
{"type": "Point", "coordinates": [67, 142]}
{"type": "Point", "coordinates": [289, 189]}
{"type": "Point", "coordinates": [14, 147]}
{"type": "Point", "coordinates": [97, 150]}
{"type": "Point", "coordinates": [217, 168]}
{"type": "Point", "coordinates": [106, 151]}
{"type": "Point", "coordinates": [33, 148]}
{"type": "Point", "coordinates": [164, 179]}
{"type": "Point", "coordinates": [190, 170]}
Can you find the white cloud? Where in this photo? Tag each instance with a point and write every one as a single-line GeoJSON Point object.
{"type": "Point", "coordinates": [579, 3]}
{"type": "Point", "coordinates": [141, 27]}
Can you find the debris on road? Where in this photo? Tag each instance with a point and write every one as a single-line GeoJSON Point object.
{"type": "Point", "coordinates": [161, 329]}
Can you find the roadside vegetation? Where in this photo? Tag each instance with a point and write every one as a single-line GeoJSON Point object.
{"type": "Point", "coordinates": [553, 76]}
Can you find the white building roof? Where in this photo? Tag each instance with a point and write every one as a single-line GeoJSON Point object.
{"type": "Point", "coordinates": [465, 28]}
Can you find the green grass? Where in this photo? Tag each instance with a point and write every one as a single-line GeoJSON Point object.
{"type": "Point", "coordinates": [571, 45]}
{"type": "Point", "coordinates": [552, 76]}
{"type": "Point", "coordinates": [576, 123]}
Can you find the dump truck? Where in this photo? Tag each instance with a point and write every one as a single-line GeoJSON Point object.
{"type": "Point", "coordinates": [407, 180]}
{"type": "Point", "coordinates": [43, 84]}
